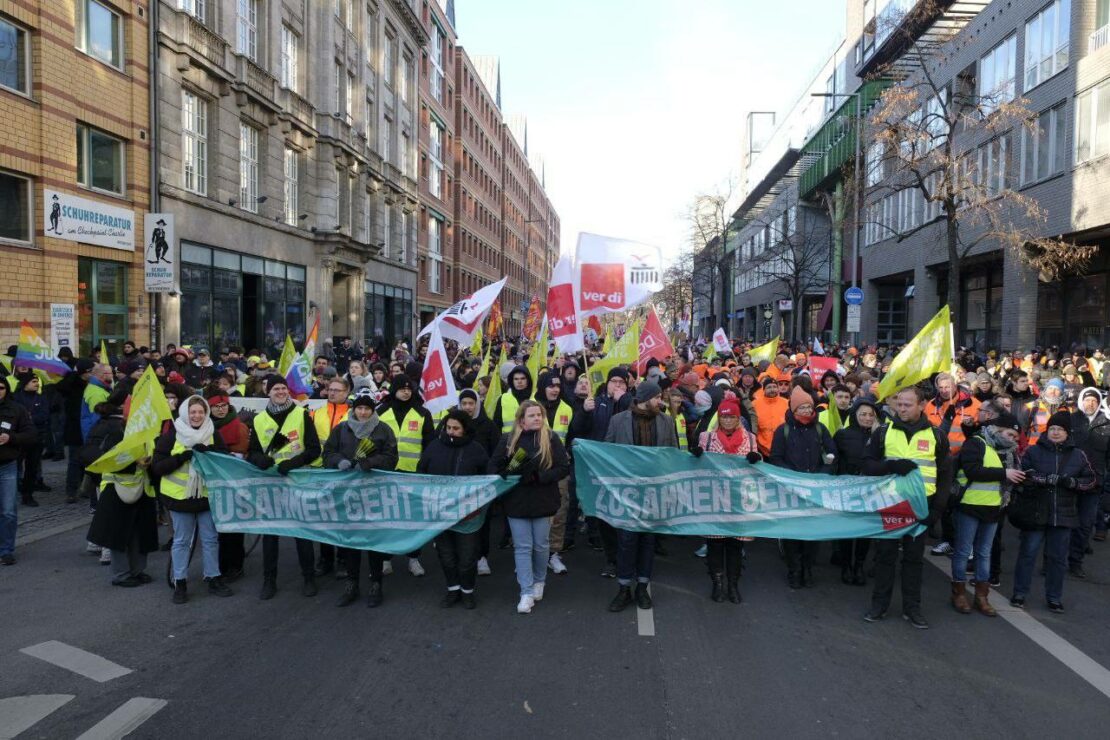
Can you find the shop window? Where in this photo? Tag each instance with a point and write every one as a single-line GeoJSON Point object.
{"type": "Point", "coordinates": [102, 304]}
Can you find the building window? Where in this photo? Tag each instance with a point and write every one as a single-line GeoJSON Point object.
{"type": "Point", "coordinates": [387, 316]}
{"type": "Point", "coordinates": [99, 32]}
{"type": "Point", "coordinates": [389, 61]}
{"type": "Point", "coordinates": [248, 167]}
{"type": "Point", "coordinates": [1043, 152]}
{"type": "Point", "coordinates": [370, 119]}
{"type": "Point", "coordinates": [194, 142]}
{"type": "Point", "coordinates": [367, 206]}
{"type": "Point", "coordinates": [1047, 36]}
{"type": "Point", "coordinates": [15, 208]}
{"type": "Point", "coordinates": [435, 159]}
{"type": "Point", "coordinates": [99, 160]}
{"type": "Point", "coordinates": [246, 26]}
{"type": "Point", "coordinates": [435, 254]}
{"type": "Point", "coordinates": [1092, 123]}
{"type": "Point", "coordinates": [372, 40]}
{"type": "Point", "coordinates": [387, 140]}
{"type": "Point", "coordinates": [996, 74]}
{"type": "Point", "coordinates": [407, 224]}
{"type": "Point", "coordinates": [406, 79]}
{"type": "Point", "coordinates": [290, 58]}
{"type": "Point", "coordinates": [988, 168]}
{"type": "Point", "coordinates": [349, 98]}
{"type": "Point", "coordinates": [196, 8]}
{"type": "Point", "coordinates": [435, 81]}
{"type": "Point", "coordinates": [291, 187]}
{"type": "Point", "coordinates": [15, 58]}
{"type": "Point", "coordinates": [387, 230]}
{"type": "Point", "coordinates": [101, 304]}
{"type": "Point", "coordinates": [406, 155]}
{"type": "Point", "coordinates": [344, 191]}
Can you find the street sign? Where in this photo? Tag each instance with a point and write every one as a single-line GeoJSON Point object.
{"type": "Point", "coordinates": [853, 296]}
{"type": "Point", "coordinates": [852, 323]}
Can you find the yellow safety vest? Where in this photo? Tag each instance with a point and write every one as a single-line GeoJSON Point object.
{"type": "Point", "coordinates": [561, 425]}
{"type": "Point", "coordinates": [410, 438]}
{"type": "Point", "coordinates": [825, 418]}
{"type": "Point", "coordinates": [241, 388]}
{"type": "Point", "coordinates": [712, 423]}
{"type": "Point", "coordinates": [130, 480]}
{"type": "Point", "coordinates": [265, 428]}
{"type": "Point", "coordinates": [322, 420]}
{"type": "Point", "coordinates": [921, 448]}
{"type": "Point", "coordinates": [680, 426]}
{"type": "Point", "coordinates": [509, 405]}
{"type": "Point", "coordinates": [173, 485]}
{"type": "Point", "coordinates": [982, 492]}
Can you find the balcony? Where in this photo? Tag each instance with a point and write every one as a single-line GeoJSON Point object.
{"type": "Point", "coordinates": [1098, 39]}
{"type": "Point", "coordinates": [834, 144]}
{"type": "Point", "coordinates": [297, 107]}
{"type": "Point", "coordinates": [904, 24]}
{"type": "Point", "coordinates": [257, 80]}
{"type": "Point", "coordinates": [203, 40]}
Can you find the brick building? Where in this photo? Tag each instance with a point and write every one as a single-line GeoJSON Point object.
{"type": "Point", "coordinates": [74, 132]}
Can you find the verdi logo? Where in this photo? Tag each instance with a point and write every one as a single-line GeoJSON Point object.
{"type": "Point", "coordinates": [602, 286]}
{"type": "Point", "coordinates": [898, 516]}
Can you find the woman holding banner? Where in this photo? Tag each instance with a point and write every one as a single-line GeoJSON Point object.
{"type": "Point", "coordinates": [534, 452]}
{"type": "Point", "coordinates": [725, 554]}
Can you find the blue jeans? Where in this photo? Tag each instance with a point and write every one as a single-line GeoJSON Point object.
{"type": "Point", "coordinates": [972, 533]}
{"type": "Point", "coordinates": [183, 541]}
{"type": "Point", "coordinates": [9, 515]}
{"type": "Point", "coordinates": [530, 550]}
{"type": "Point", "coordinates": [1055, 540]}
{"type": "Point", "coordinates": [635, 556]}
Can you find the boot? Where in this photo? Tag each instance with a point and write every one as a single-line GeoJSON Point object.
{"type": "Point", "coordinates": [269, 588]}
{"type": "Point", "coordinates": [309, 587]}
{"type": "Point", "coordinates": [794, 579]}
{"type": "Point", "coordinates": [28, 500]}
{"type": "Point", "coordinates": [621, 600]}
{"type": "Point", "coordinates": [982, 603]}
{"type": "Point", "coordinates": [374, 595]}
{"type": "Point", "coordinates": [734, 590]}
{"type": "Point", "coordinates": [717, 594]}
{"type": "Point", "coordinates": [846, 574]}
{"type": "Point", "coordinates": [807, 577]}
{"type": "Point", "coordinates": [858, 577]}
{"type": "Point", "coordinates": [643, 598]}
{"type": "Point", "coordinates": [959, 598]}
{"type": "Point", "coordinates": [180, 593]}
{"type": "Point", "coordinates": [451, 598]}
{"type": "Point", "coordinates": [350, 594]}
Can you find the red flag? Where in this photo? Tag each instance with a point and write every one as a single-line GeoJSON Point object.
{"type": "Point", "coordinates": [532, 320]}
{"type": "Point", "coordinates": [654, 342]}
{"type": "Point", "coordinates": [818, 366]}
{"type": "Point", "coordinates": [595, 324]}
{"type": "Point", "coordinates": [437, 386]}
{"type": "Point", "coordinates": [562, 313]}
{"type": "Point", "coordinates": [493, 328]}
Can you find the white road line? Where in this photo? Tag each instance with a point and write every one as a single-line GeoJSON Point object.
{"type": "Point", "coordinates": [1075, 659]}
{"type": "Point", "coordinates": [645, 620]}
{"type": "Point", "coordinates": [124, 720]}
{"type": "Point", "coordinates": [77, 660]}
{"type": "Point", "coordinates": [20, 713]}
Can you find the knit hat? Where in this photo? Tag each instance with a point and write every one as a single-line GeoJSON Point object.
{"type": "Point", "coordinates": [1069, 369]}
{"type": "Point", "coordinates": [1060, 419]}
{"type": "Point", "coordinates": [703, 399]}
{"type": "Point", "coordinates": [984, 378]}
{"type": "Point", "coordinates": [799, 397]}
{"type": "Point", "coordinates": [468, 393]}
{"type": "Point", "coordinates": [647, 390]}
{"type": "Point", "coordinates": [397, 382]}
{"type": "Point", "coordinates": [729, 406]}
{"type": "Point", "coordinates": [176, 377]}
{"type": "Point", "coordinates": [1005, 420]}
{"type": "Point", "coordinates": [273, 379]}
{"type": "Point", "coordinates": [619, 372]}
{"type": "Point", "coordinates": [329, 372]}
{"type": "Point", "coordinates": [768, 380]}
{"type": "Point", "coordinates": [84, 365]}
{"type": "Point", "coordinates": [1056, 383]}
{"type": "Point", "coordinates": [364, 398]}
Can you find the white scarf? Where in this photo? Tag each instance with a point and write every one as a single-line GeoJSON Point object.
{"type": "Point", "coordinates": [188, 437]}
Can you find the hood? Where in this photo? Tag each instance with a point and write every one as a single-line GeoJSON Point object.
{"type": "Point", "coordinates": [527, 392]}
{"type": "Point", "coordinates": [1103, 406]}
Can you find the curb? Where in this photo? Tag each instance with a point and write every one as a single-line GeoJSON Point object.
{"type": "Point", "coordinates": [51, 532]}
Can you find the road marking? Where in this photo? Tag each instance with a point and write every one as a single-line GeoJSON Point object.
{"type": "Point", "coordinates": [20, 713]}
{"type": "Point", "coordinates": [645, 620]}
{"type": "Point", "coordinates": [1075, 659]}
{"type": "Point", "coordinates": [124, 720]}
{"type": "Point", "coordinates": [77, 660]}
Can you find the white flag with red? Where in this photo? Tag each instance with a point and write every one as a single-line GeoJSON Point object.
{"type": "Point", "coordinates": [437, 385]}
{"type": "Point", "coordinates": [461, 321]}
{"type": "Point", "coordinates": [721, 342]}
{"type": "Point", "coordinates": [615, 274]}
{"type": "Point", "coordinates": [562, 308]}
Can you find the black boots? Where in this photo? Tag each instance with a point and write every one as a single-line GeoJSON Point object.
{"type": "Point", "coordinates": [180, 593]}
{"type": "Point", "coordinates": [308, 588]}
{"type": "Point", "coordinates": [846, 574]}
{"type": "Point", "coordinates": [858, 576]}
{"type": "Point", "coordinates": [718, 594]}
{"type": "Point", "coordinates": [734, 589]}
{"type": "Point", "coordinates": [451, 598]}
{"type": "Point", "coordinates": [643, 598]}
{"type": "Point", "coordinates": [350, 594]}
{"type": "Point", "coordinates": [794, 579]}
{"type": "Point", "coordinates": [621, 600]}
{"type": "Point", "coordinates": [217, 587]}
{"type": "Point", "coordinates": [374, 596]}
{"type": "Point", "coordinates": [269, 588]}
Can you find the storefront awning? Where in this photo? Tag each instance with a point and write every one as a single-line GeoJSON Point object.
{"type": "Point", "coordinates": [826, 312]}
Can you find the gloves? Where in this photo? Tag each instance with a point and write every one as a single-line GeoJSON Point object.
{"type": "Point", "coordinates": [285, 466]}
{"type": "Point", "coordinates": [279, 440]}
{"type": "Point", "coordinates": [754, 457]}
{"type": "Point", "coordinates": [344, 464]}
{"type": "Point", "coordinates": [201, 448]}
{"type": "Point", "coordinates": [1068, 482]}
{"type": "Point", "coordinates": [901, 467]}
{"type": "Point", "coordinates": [931, 519]}
{"type": "Point", "coordinates": [266, 461]}
{"type": "Point", "coordinates": [1052, 479]}
{"type": "Point", "coordinates": [185, 456]}
{"type": "Point", "coordinates": [697, 451]}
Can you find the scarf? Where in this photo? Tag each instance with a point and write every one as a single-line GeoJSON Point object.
{"type": "Point", "coordinates": [362, 429]}
{"type": "Point", "coordinates": [189, 437]}
{"type": "Point", "coordinates": [1007, 453]}
{"type": "Point", "coordinates": [274, 408]}
{"type": "Point", "coordinates": [732, 442]}
{"type": "Point", "coordinates": [643, 426]}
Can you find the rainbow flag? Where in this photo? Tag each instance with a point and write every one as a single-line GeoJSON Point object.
{"type": "Point", "coordinates": [34, 353]}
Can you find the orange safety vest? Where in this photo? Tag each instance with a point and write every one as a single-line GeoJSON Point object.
{"type": "Point", "coordinates": [969, 406]}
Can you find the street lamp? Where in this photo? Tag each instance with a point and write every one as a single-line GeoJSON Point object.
{"type": "Point", "coordinates": [767, 314]}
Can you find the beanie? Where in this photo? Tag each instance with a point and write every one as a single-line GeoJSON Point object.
{"type": "Point", "coordinates": [729, 406]}
{"type": "Point", "coordinates": [273, 379]}
{"type": "Point", "coordinates": [1005, 420]}
{"type": "Point", "coordinates": [365, 397]}
{"type": "Point", "coordinates": [799, 397]}
{"type": "Point", "coordinates": [647, 390]}
{"type": "Point", "coordinates": [1060, 419]}
{"type": "Point", "coordinates": [618, 372]}
{"type": "Point", "coordinates": [468, 393]}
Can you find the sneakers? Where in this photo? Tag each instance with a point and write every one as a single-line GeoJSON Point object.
{"type": "Point", "coordinates": [387, 568]}
{"type": "Point", "coordinates": [143, 578]}
{"type": "Point", "coordinates": [129, 581]}
{"type": "Point", "coordinates": [555, 563]}
{"type": "Point", "coordinates": [323, 568]}
{"type": "Point", "coordinates": [643, 598]}
{"type": "Point", "coordinates": [916, 618]}
{"type": "Point", "coordinates": [524, 606]}
{"type": "Point", "coordinates": [1076, 571]}
{"type": "Point", "coordinates": [874, 615]}
{"type": "Point", "coordinates": [217, 587]}
{"type": "Point", "coordinates": [451, 598]}
{"type": "Point", "coordinates": [537, 591]}
{"type": "Point", "coordinates": [941, 548]}
{"type": "Point", "coordinates": [702, 551]}
{"type": "Point", "coordinates": [483, 567]}
{"type": "Point", "coordinates": [609, 571]}
{"type": "Point", "coordinates": [350, 594]}
{"type": "Point", "coordinates": [1056, 607]}
{"type": "Point", "coordinates": [996, 581]}
{"type": "Point", "coordinates": [468, 601]}
{"type": "Point", "coordinates": [1018, 602]}
{"type": "Point", "coordinates": [374, 596]}
{"type": "Point", "coordinates": [105, 556]}
{"type": "Point", "coordinates": [416, 568]}
{"type": "Point", "coordinates": [92, 549]}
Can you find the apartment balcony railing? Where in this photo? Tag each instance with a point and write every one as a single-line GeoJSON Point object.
{"type": "Point", "coordinates": [205, 41]}
{"type": "Point", "coordinates": [1098, 39]}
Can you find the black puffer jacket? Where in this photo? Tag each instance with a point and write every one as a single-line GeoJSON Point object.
{"type": "Point", "coordinates": [342, 444]}
{"type": "Point", "coordinates": [453, 456]}
{"type": "Point", "coordinates": [1073, 475]}
{"type": "Point", "coordinates": [537, 494]}
{"type": "Point", "coordinates": [803, 447]}
{"type": "Point", "coordinates": [1093, 435]}
{"type": "Point", "coordinates": [16, 423]}
{"type": "Point", "coordinates": [850, 443]}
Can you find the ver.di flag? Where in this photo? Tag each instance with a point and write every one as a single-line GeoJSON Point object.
{"type": "Point", "coordinates": [720, 342]}
{"type": "Point", "coordinates": [34, 353]}
{"type": "Point", "coordinates": [148, 410]}
{"type": "Point", "coordinates": [562, 308]}
{"type": "Point", "coordinates": [461, 321]}
{"type": "Point", "coordinates": [532, 319]}
{"type": "Point", "coordinates": [615, 274]}
{"type": "Point", "coordinates": [927, 353]}
{"type": "Point", "coordinates": [437, 385]}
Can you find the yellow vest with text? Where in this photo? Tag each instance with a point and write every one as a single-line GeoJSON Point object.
{"type": "Point", "coordinates": [921, 448]}
{"type": "Point", "coordinates": [322, 420]}
{"type": "Point", "coordinates": [983, 492]}
{"type": "Point", "coordinates": [410, 438]}
{"type": "Point", "coordinates": [173, 485]}
{"type": "Point", "coordinates": [293, 429]}
{"type": "Point", "coordinates": [680, 426]}
{"type": "Point", "coordinates": [561, 425]}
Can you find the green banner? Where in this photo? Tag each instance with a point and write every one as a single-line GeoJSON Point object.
{"type": "Point", "coordinates": [724, 495]}
{"type": "Point", "coordinates": [392, 513]}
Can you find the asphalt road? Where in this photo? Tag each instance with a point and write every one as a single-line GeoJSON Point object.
{"type": "Point", "coordinates": [783, 663]}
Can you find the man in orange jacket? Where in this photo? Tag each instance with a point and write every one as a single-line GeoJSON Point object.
{"type": "Point", "coordinates": [949, 412]}
{"type": "Point", "coordinates": [770, 412]}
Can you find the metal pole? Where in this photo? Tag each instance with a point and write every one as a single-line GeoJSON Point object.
{"type": "Point", "coordinates": [859, 199]}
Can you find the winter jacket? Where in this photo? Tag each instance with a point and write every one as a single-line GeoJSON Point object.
{"type": "Point", "coordinates": [875, 459]}
{"type": "Point", "coordinates": [1070, 465]}
{"type": "Point", "coordinates": [850, 442]}
{"type": "Point", "coordinates": [537, 493]}
{"type": "Point", "coordinates": [71, 388]}
{"type": "Point", "coordinates": [16, 423]}
{"type": "Point", "coordinates": [164, 462]}
{"type": "Point", "coordinates": [595, 424]}
{"type": "Point", "coordinates": [803, 447]}
{"type": "Point", "coordinates": [342, 444]}
{"type": "Point", "coordinates": [259, 458]}
{"type": "Point", "coordinates": [1092, 435]}
{"type": "Point", "coordinates": [521, 395]}
{"type": "Point", "coordinates": [622, 431]}
{"type": "Point", "coordinates": [484, 432]}
{"type": "Point", "coordinates": [235, 434]}
{"type": "Point", "coordinates": [38, 408]}
{"type": "Point", "coordinates": [453, 456]}
{"type": "Point", "coordinates": [972, 455]}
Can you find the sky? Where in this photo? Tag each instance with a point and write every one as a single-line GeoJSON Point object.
{"type": "Point", "coordinates": [638, 106]}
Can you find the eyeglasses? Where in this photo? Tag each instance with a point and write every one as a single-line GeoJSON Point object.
{"type": "Point", "coordinates": [220, 405]}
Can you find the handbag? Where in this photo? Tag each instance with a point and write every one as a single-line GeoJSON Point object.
{"type": "Point", "coordinates": [1028, 510]}
{"type": "Point", "coordinates": [130, 494]}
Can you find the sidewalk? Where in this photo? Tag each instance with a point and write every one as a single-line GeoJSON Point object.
{"type": "Point", "coordinates": [53, 515]}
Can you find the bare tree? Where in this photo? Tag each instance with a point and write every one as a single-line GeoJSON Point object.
{"type": "Point", "coordinates": [676, 299]}
{"type": "Point", "coordinates": [709, 218]}
{"type": "Point", "coordinates": [943, 147]}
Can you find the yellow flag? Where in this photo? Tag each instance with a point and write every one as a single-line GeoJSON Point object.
{"type": "Point", "coordinates": [538, 356]}
{"type": "Point", "coordinates": [625, 352]}
{"type": "Point", "coordinates": [144, 423]}
{"type": "Point", "coordinates": [494, 391]}
{"type": "Point", "coordinates": [104, 353]}
{"type": "Point", "coordinates": [927, 353]}
{"type": "Point", "coordinates": [764, 352]}
{"type": "Point", "coordinates": [485, 366]}
{"type": "Point", "coordinates": [288, 356]}
{"type": "Point", "coordinates": [476, 345]}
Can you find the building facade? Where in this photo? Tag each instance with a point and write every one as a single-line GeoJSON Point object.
{"type": "Point", "coordinates": [74, 169]}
